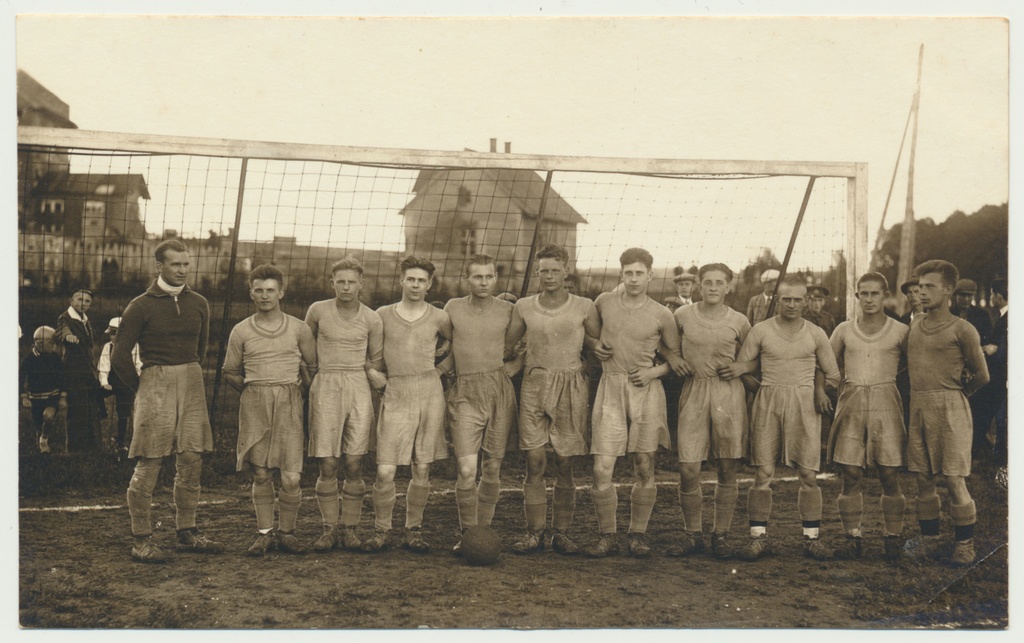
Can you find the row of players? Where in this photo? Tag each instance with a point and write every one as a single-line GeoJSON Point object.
{"type": "Point", "coordinates": [344, 348]}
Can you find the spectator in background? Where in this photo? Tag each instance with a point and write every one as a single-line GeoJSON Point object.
{"type": "Point", "coordinates": [85, 408]}
{"type": "Point", "coordinates": [684, 282]}
{"type": "Point", "coordinates": [995, 354]}
{"type": "Point", "coordinates": [911, 289]}
{"type": "Point", "coordinates": [41, 381]}
{"type": "Point", "coordinates": [815, 311]}
{"type": "Point", "coordinates": [964, 308]}
{"type": "Point", "coordinates": [124, 397]}
{"type": "Point", "coordinates": [757, 307]}
{"type": "Point", "coordinates": [982, 409]}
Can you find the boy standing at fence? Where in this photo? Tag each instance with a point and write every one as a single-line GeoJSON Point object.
{"type": "Point", "coordinates": [785, 425]}
{"type": "Point", "coordinates": [630, 413]}
{"type": "Point", "coordinates": [410, 429]}
{"type": "Point", "coordinates": [124, 397]}
{"type": "Point", "coordinates": [943, 350]}
{"type": "Point", "coordinates": [868, 428]}
{"type": "Point", "coordinates": [171, 324]}
{"type": "Point", "coordinates": [42, 381]}
{"type": "Point", "coordinates": [553, 400]}
{"type": "Point", "coordinates": [270, 356]}
{"type": "Point", "coordinates": [349, 340]}
{"type": "Point", "coordinates": [482, 401]}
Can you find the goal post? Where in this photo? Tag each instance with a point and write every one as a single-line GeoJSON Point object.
{"type": "Point", "coordinates": [93, 205]}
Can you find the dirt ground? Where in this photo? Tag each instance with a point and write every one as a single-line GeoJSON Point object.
{"type": "Point", "coordinates": [75, 570]}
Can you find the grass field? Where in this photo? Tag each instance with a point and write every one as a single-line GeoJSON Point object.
{"type": "Point", "coordinates": [75, 570]}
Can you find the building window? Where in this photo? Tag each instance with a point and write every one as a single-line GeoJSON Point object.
{"type": "Point", "coordinates": [51, 206]}
{"type": "Point", "coordinates": [95, 208]}
{"type": "Point", "coordinates": [470, 241]}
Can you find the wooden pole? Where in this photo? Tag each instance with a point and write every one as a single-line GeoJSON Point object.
{"type": "Point", "coordinates": [230, 286]}
{"type": "Point", "coordinates": [536, 235]}
{"type": "Point", "coordinates": [909, 232]}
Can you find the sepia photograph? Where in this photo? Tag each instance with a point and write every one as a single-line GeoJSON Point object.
{"type": "Point", "coordinates": [525, 318]}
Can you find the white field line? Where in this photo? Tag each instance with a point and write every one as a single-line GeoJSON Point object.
{"type": "Point", "coordinates": [443, 492]}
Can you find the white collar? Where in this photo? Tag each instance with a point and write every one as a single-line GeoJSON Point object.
{"type": "Point", "coordinates": [168, 288]}
{"type": "Point", "coordinates": [74, 315]}
{"type": "Point", "coordinates": [1002, 311]}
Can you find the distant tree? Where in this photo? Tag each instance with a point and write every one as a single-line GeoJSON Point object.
{"type": "Point", "coordinates": [976, 243]}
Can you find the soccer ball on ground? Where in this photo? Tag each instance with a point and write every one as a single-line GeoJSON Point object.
{"type": "Point", "coordinates": [481, 546]}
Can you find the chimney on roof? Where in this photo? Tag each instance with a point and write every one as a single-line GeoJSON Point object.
{"type": "Point", "coordinates": [508, 147]}
{"type": "Point", "coordinates": [494, 145]}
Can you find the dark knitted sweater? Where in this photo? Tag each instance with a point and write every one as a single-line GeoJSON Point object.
{"type": "Point", "coordinates": [170, 330]}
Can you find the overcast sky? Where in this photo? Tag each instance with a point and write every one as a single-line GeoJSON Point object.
{"type": "Point", "coordinates": [826, 89]}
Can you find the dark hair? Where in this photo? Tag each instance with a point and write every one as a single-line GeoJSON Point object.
{"type": "Point", "coordinates": [636, 255]}
{"type": "Point", "coordinates": [721, 267]}
{"type": "Point", "coordinates": [478, 260]}
{"type": "Point", "coordinates": [949, 273]}
{"type": "Point", "coordinates": [874, 276]}
{"type": "Point", "coordinates": [169, 244]}
{"type": "Point", "coordinates": [553, 252]}
{"type": "Point", "coordinates": [793, 281]}
{"type": "Point", "coordinates": [999, 287]}
{"type": "Point", "coordinates": [412, 261]}
{"type": "Point", "coordinates": [348, 262]}
{"type": "Point", "coordinates": [266, 271]}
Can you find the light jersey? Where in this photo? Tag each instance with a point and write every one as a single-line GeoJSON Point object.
{"type": "Point", "coordinates": [790, 360]}
{"type": "Point", "coordinates": [409, 346]}
{"type": "Point", "coordinates": [343, 344]}
{"type": "Point", "coordinates": [633, 333]}
{"type": "Point", "coordinates": [267, 357]}
{"type": "Point", "coordinates": [554, 338]}
{"type": "Point", "coordinates": [936, 356]}
{"type": "Point", "coordinates": [478, 338]}
{"type": "Point", "coordinates": [708, 342]}
{"type": "Point", "coordinates": [870, 359]}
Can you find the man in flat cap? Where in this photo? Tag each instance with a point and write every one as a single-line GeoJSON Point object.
{"type": "Point", "coordinates": [757, 307]}
{"type": "Point", "coordinates": [911, 289]}
{"type": "Point", "coordinates": [982, 410]}
{"type": "Point", "coordinates": [815, 311]}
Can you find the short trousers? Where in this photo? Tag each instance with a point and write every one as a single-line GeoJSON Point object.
{"type": "Point", "coordinates": [785, 428]}
{"type": "Point", "coordinates": [410, 428]}
{"type": "Point", "coordinates": [712, 420]}
{"type": "Point", "coordinates": [482, 408]}
{"type": "Point", "coordinates": [39, 405]}
{"type": "Point", "coordinates": [270, 431]}
{"type": "Point", "coordinates": [940, 434]}
{"type": "Point", "coordinates": [340, 414]}
{"type": "Point", "coordinates": [170, 412]}
{"type": "Point", "coordinates": [868, 427]}
{"type": "Point", "coordinates": [553, 409]}
{"type": "Point", "coordinates": [627, 418]}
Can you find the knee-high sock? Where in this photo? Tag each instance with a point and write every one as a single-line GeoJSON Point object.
{"type": "Point", "coordinates": [606, 501]}
{"type": "Point", "coordinates": [327, 500]}
{"type": "Point", "coordinates": [466, 502]}
{"type": "Point", "coordinates": [263, 502]}
{"type": "Point", "coordinates": [486, 500]}
{"type": "Point", "coordinates": [964, 516]}
{"type": "Point", "coordinates": [415, 503]}
{"type": "Point", "coordinates": [352, 492]}
{"type": "Point", "coordinates": [725, 505]}
{"type": "Point", "coordinates": [808, 503]}
{"type": "Point", "coordinates": [186, 492]}
{"type": "Point", "coordinates": [383, 505]}
{"type": "Point", "coordinates": [641, 504]}
{"type": "Point", "coordinates": [288, 510]}
{"type": "Point", "coordinates": [140, 495]}
{"type": "Point", "coordinates": [928, 514]}
{"type": "Point", "coordinates": [759, 508]}
{"type": "Point", "coordinates": [535, 503]}
{"type": "Point", "coordinates": [691, 502]}
{"type": "Point", "coordinates": [563, 506]}
{"type": "Point", "coordinates": [893, 508]}
{"type": "Point", "coordinates": [851, 512]}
